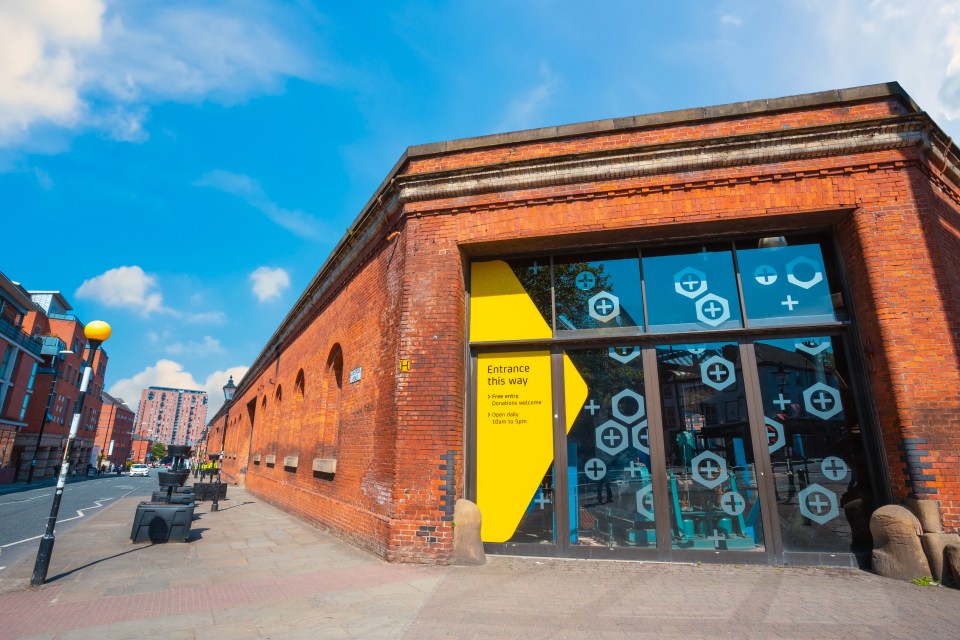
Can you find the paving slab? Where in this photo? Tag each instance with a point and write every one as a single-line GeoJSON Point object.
{"type": "Point", "coordinates": [252, 571]}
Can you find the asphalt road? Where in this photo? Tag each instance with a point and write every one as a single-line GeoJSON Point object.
{"type": "Point", "coordinates": [24, 510]}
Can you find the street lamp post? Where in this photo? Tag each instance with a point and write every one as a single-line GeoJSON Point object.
{"type": "Point", "coordinates": [55, 365]}
{"type": "Point", "coordinates": [228, 390]}
{"type": "Point", "coordinates": [96, 333]}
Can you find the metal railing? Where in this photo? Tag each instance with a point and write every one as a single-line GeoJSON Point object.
{"type": "Point", "coordinates": [18, 336]}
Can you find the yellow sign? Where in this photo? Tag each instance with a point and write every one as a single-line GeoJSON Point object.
{"type": "Point", "coordinates": [404, 366]}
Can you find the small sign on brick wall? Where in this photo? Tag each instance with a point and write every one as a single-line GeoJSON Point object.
{"type": "Point", "coordinates": [355, 375]}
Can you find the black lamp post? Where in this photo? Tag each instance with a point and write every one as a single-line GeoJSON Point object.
{"type": "Point", "coordinates": [96, 332]}
{"type": "Point", "coordinates": [781, 376]}
{"type": "Point", "coordinates": [55, 367]}
{"type": "Point", "coordinates": [228, 390]}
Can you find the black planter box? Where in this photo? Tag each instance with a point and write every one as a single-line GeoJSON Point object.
{"type": "Point", "coordinates": [204, 490]}
{"type": "Point", "coordinates": [178, 497]}
{"type": "Point", "coordinates": [172, 478]}
{"type": "Point", "coordinates": [162, 522]}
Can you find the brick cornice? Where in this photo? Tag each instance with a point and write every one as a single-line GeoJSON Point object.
{"type": "Point", "coordinates": [693, 155]}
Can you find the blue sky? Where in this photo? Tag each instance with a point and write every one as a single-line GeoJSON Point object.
{"type": "Point", "coordinates": [182, 169]}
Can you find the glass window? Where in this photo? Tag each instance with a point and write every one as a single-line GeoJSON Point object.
{"type": "Point", "coordinates": [786, 285]}
{"type": "Point", "coordinates": [598, 291]}
{"type": "Point", "coordinates": [713, 495]}
{"type": "Point", "coordinates": [608, 453]}
{"type": "Point", "coordinates": [820, 481]}
{"type": "Point", "coordinates": [691, 289]}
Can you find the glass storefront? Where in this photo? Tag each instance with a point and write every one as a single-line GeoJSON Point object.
{"type": "Point", "coordinates": [667, 405]}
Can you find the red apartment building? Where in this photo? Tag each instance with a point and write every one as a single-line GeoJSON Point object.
{"type": "Point", "coordinates": [56, 387]}
{"type": "Point", "coordinates": [172, 416]}
{"type": "Point", "coordinates": [114, 438]}
{"type": "Point", "coordinates": [21, 354]}
{"type": "Point", "coordinates": [724, 333]}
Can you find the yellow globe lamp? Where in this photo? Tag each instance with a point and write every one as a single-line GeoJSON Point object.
{"type": "Point", "coordinates": [97, 331]}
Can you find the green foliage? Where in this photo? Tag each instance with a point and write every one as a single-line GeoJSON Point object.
{"type": "Point", "coordinates": [158, 450]}
{"type": "Point", "coordinates": [925, 581]}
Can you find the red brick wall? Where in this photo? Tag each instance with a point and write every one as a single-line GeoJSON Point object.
{"type": "Point", "coordinates": [399, 444]}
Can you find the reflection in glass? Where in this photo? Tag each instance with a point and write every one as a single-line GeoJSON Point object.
{"type": "Point", "coordinates": [534, 277]}
{"type": "Point", "coordinates": [691, 290]}
{"type": "Point", "coordinates": [785, 285]}
{"type": "Point", "coordinates": [601, 292]}
{"type": "Point", "coordinates": [537, 524]}
{"type": "Point", "coordinates": [608, 453]}
{"type": "Point", "coordinates": [823, 494]}
{"type": "Point", "coordinates": [713, 497]}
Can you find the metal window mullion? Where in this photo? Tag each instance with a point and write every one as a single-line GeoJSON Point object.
{"type": "Point", "coordinates": [658, 463]}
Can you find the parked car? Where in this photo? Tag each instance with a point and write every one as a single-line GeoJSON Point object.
{"type": "Point", "coordinates": [139, 470]}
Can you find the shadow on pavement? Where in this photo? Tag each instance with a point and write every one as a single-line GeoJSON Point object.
{"type": "Point", "coordinates": [95, 562]}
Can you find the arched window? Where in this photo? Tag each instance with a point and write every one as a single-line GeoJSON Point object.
{"type": "Point", "coordinates": [329, 440]}
{"type": "Point", "coordinates": [296, 411]}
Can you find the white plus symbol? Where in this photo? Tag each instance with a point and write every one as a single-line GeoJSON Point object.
{"type": "Point", "coordinates": [713, 309]}
{"type": "Point", "coordinates": [586, 280]}
{"type": "Point", "coordinates": [593, 407]}
{"type": "Point", "coordinates": [612, 437]}
{"type": "Point", "coordinates": [711, 470]}
{"type": "Point", "coordinates": [766, 275]}
{"type": "Point", "coordinates": [817, 503]}
{"type": "Point", "coordinates": [782, 402]}
{"type": "Point", "coordinates": [834, 470]}
{"type": "Point", "coordinates": [604, 307]}
{"type": "Point", "coordinates": [718, 372]}
{"type": "Point", "coordinates": [790, 302]}
{"type": "Point", "coordinates": [644, 437]}
{"type": "Point", "coordinates": [691, 281]}
{"type": "Point", "coordinates": [822, 400]}
{"type": "Point", "coordinates": [542, 500]}
{"type": "Point", "coordinates": [634, 468]}
{"type": "Point", "coordinates": [733, 501]}
{"type": "Point", "coordinates": [717, 539]}
{"type": "Point", "coordinates": [536, 268]}
{"type": "Point", "coordinates": [772, 435]}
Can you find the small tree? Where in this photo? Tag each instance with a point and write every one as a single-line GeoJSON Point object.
{"type": "Point", "coordinates": [158, 450]}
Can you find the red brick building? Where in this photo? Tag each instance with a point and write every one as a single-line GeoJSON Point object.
{"type": "Point", "coordinates": [114, 437]}
{"type": "Point", "coordinates": [171, 416]}
{"type": "Point", "coordinates": [56, 388]}
{"type": "Point", "coordinates": [727, 332]}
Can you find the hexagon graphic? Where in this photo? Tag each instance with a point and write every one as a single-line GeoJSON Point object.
{"type": "Point", "coordinates": [712, 310]}
{"type": "Point", "coordinates": [640, 436]}
{"type": "Point", "coordinates": [585, 280]}
{"type": "Point", "coordinates": [625, 417]}
{"type": "Point", "coordinates": [645, 502]}
{"type": "Point", "coordinates": [765, 275]}
{"type": "Point", "coordinates": [612, 437]}
{"type": "Point", "coordinates": [709, 469]}
{"type": "Point", "coordinates": [822, 401]}
{"type": "Point", "coordinates": [595, 468]}
{"type": "Point", "coordinates": [818, 503]}
{"type": "Point", "coordinates": [718, 372]}
{"type": "Point", "coordinates": [733, 503]}
{"type": "Point", "coordinates": [816, 278]}
{"type": "Point", "coordinates": [624, 354]}
{"type": "Point", "coordinates": [812, 346]}
{"type": "Point", "coordinates": [604, 306]}
{"type": "Point", "coordinates": [690, 282]}
{"type": "Point", "coordinates": [834, 468]}
{"type": "Point", "coordinates": [696, 349]}
{"type": "Point", "coordinates": [775, 438]}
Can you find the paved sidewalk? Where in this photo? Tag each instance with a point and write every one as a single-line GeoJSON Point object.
{"type": "Point", "coordinates": [252, 571]}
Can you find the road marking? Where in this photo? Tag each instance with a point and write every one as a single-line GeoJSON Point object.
{"type": "Point", "coordinates": [80, 514]}
{"type": "Point", "coordinates": [45, 495]}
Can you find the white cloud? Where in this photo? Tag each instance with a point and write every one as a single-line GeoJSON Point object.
{"type": "Point", "coordinates": [249, 190]}
{"type": "Point", "coordinates": [167, 373]}
{"type": "Point", "coordinates": [269, 284]}
{"type": "Point", "coordinates": [124, 287]}
{"type": "Point", "coordinates": [134, 289]}
{"type": "Point", "coordinates": [207, 346]}
{"type": "Point", "coordinates": [916, 43]}
{"type": "Point", "coordinates": [731, 20]}
{"type": "Point", "coordinates": [93, 64]}
{"type": "Point", "coordinates": [522, 112]}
